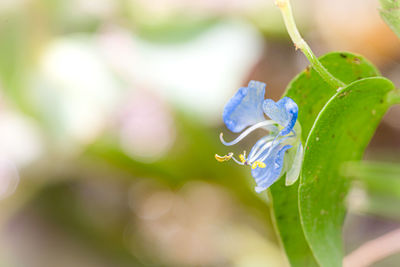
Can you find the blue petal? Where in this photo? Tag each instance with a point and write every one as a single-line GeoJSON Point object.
{"type": "Point", "coordinates": [245, 107]}
{"type": "Point", "coordinates": [284, 112]}
{"type": "Point", "coordinates": [265, 177]}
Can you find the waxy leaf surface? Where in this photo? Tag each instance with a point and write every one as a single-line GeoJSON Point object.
{"type": "Point", "coordinates": [340, 134]}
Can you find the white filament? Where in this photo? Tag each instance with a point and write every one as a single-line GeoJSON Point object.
{"type": "Point", "coordinates": [237, 161]}
{"type": "Point", "coordinates": [247, 132]}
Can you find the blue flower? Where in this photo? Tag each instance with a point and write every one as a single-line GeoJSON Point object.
{"type": "Point", "coordinates": [271, 156]}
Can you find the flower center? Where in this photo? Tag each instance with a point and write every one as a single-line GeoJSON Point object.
{"type": "Point", "coordinates": [262, 149]}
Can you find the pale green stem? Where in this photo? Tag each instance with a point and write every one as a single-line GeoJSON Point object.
{"type": "Point", "coordinates": [299, 43]}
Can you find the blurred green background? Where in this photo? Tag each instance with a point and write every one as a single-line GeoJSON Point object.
{"type": "Point", "coordinates": [110, 112]}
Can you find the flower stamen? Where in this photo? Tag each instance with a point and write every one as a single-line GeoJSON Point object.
{"type": "Point", "coordinates": [259, 164]}
{"type": "Point", "coordinates": [223, 158]}
{"type": "Point", "coordinates": [246, 132]}
{"type": "Point", "coordinates": [240, 161]}
{"type": "Point", "coordinates": [242, 157]}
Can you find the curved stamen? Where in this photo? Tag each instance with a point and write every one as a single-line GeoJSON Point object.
{"type": "Point", "coordinates": [246, 132]}
{"type": "Point", "coordinates": [239, 162]}
{"type": "Point", "coordinates": [223, 158]}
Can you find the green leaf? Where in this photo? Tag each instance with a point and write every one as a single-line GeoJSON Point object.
{"type": "Point", "coordinates": [311, 93]}
{"type": "Point", "coordinates": [390, 13]}
{"type": "Point", "coordinates": [340, 134]}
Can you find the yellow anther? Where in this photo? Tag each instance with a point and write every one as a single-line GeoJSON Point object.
{"type": "Point", "coordinates": [254, 165]}
{"type": "Point", "coordinates": [242, 158]}
{"type": "Point", "coordinates": [280, 3]}
{"type": "Point", "coordinates": [223, 158]}
{"type": "Point", "coordinates": [259, 164]}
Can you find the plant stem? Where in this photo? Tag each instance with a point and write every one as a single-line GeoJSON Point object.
{"type": "Point", "coordinates": [299, 43]}
{"type": "Point", "coordinates": [374, 250]}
